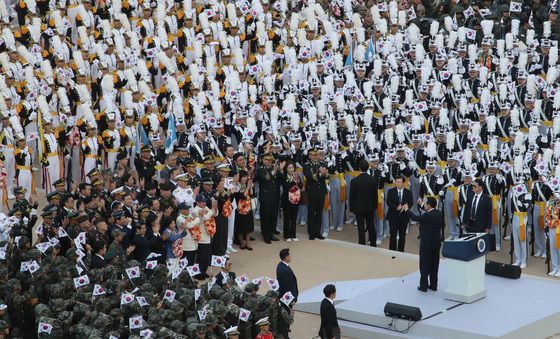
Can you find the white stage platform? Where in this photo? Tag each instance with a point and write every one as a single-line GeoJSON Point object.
{"type": "Point", "coordinates": [524, 308]}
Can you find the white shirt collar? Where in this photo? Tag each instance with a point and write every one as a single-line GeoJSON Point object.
{"type": "Point", "coordinates": [331, 300]}
{"type": "Point", "coordinates": [285, 263]}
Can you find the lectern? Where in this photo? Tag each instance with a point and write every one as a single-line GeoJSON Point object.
{"type": "Point", "coordinates": [465, 267]}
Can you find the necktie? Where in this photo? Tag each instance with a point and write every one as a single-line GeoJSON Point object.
{"type": "Point", "coordinates": [474, 206]}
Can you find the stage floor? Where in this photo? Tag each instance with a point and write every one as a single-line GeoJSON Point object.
{"type": "Point", "coordinates": [524, 308]}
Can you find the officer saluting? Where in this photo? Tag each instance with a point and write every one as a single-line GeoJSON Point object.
{"type": "Point", "coordinates": [316, 186]}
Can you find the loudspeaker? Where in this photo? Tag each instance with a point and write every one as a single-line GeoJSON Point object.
{"type": "Point", "coordinates": [502, 270]}
{"type": "Point", "coordinates": [402, 311]}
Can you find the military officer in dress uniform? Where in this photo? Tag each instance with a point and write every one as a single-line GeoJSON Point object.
{"type": "Point", "coordinates": [494, 186]}
{"type": "Point", "coordinates": [193, 179]}
{"type": "Point", "coordinates": [452, 177]}
{"type": "Point", "coordinates": [200, 148]}
{"type": "Point", "coordinates": [111, 142]}
{"type": "Point", "coordinates": [541, 193]}
{"type": "Point", "coordinates": [316, 174]}
{"type": "Point", "coordinates": [376, 172]}
{"type": "Point", "coordinates": [91, 151]}
{"type": "Point", "coordinates": [337, 188]}
{"type": "Point", "coordinates": [520, 201]}
{"type": "Point", "coordinates": [24, 158]}
{"type": "Point", "coordinates": [183, 193]}
{"type": "Point", "coordinates": [269, 179]}
{"type": "Point", "coordinates": [145, 164]}
{"type": "Point", "coordinates": [52, 161]}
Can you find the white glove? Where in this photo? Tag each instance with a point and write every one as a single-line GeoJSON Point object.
{"type": "Point", "coordinates": [402, 166]}
{"type": "Point", "coordinates": [33, 212]}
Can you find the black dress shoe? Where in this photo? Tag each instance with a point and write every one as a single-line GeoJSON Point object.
{"type": "Point", "coordinates": [433, 288]}
{"type": "Point", "coordinates": [422, 289]}
{"type": "Point", "coordinates": [320, 237]}
{"type": "Point", "coordinates": [268, 241]}
{"type": "Point", "coordinates": [276, 232]}
{"type": "Point", "coordinates": [252, 238]}
{"type": "Point", "coordinates": [274, 239]}
{"type": "Point", "coordinates": [311, 237]}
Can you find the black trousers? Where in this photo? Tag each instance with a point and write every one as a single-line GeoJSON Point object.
{"type": "Point", "coordinates": [191, 257]}
{"type": "Point", "coordinates": [429, 265]}
{"type": "Point", "coordinates": [219, 240]}
{"type": "Point", "coordinates": [397, 226]}
{"type": "Point", "coordinates": [269, 217]}
{"type": "Point", "coordinates": [367, 218]}
{"type": "Point", "coordinates": [203, 256]}
{"type": "Point", "coordinates": [315, 215]}
{"type": "Point", "coordinates": [290, 220]}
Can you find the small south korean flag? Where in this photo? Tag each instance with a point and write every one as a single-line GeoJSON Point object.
{"type": "Point", "coordinates": [193, 270]}
{"type": "Point", "coordinates": [169, 295]}
{"type": "Point", "coordinates": [411, 13]}
{"type": "Point", "coordinates": [218, 261]}
{"type": "Point", "coordinates": [183, 263]}
{"type": "Point", "coordinates": [197, 294]}
{"type": "Point", "coordinates": [62, 232]}
{"type": "Point", "coordinates": [33, 267]}
{"type": "Point", "coordinates": [242, 281]}
{"type": "Point", "coordinates": [44, 328]}
{"type": "Point", "coordinates": [467, 13]}
{"type": "Point", "coordinates": [126, 298]}
{"type": "Point", "coordinates": [80, 281]}
{"type": "Point", "coordinates": [202, 314]}
{"type": "Point", "coordinates": [147, 333]}
{"type": "Point", "coordinates": [515, 7]}
{"type": "Point", "coordinates": [244, 314]}
{"type": "Point", "coordinates": [98, 290]}
{"type": "Point", "coordinates": [81, 238]}
{"type": "Point", "coordinates": [142, 301]}
{"type": "Point", "coordinates": [470, 33]}
{"type": "Point", "coordinates": [43, 246]}
{"type": "Point", "coordinates": [135, 322]}
{"type": "Point", "coordinates": [133, 272]}
{"type": "Point", "coordinates": [258, 281]}
{"type": "Point", "coordinates": [273, 284]}
{"type": "Point", "coordinates": [287, 298]}
{"type": "Point", "coordinates": [150, 265]}
{"type": "Point", "coordinates": [176, 272]}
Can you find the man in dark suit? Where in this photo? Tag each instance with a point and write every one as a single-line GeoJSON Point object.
{"type": "Point", "coordinates": [144, 242]}
{"type": "Point", "coordinates": [226, 276]}
{"type": "Point", "coordinates": [430, 242]}
{"type": "Point", "coordinates": [98, 260]}
{"type": "Point", "coordinates": [397, 197]}
{"type": "Point", "coordinates": [363, 203]}
{"type": "Point", "coordinates": [287, 280]}
{"type": "Point", "coordinates": [329, 323]}
{"type": "Point", "coordinates": [477, 216]}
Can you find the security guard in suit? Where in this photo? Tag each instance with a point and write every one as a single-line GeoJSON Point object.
{"type": "Point", "coordinates": [316, 175]}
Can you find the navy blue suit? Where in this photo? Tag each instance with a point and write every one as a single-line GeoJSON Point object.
{"type": "Point", "coordinates": [286, 279]}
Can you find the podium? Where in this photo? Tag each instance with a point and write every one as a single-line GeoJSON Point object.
{"type": "Point", "coordinates": [466, 259]}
